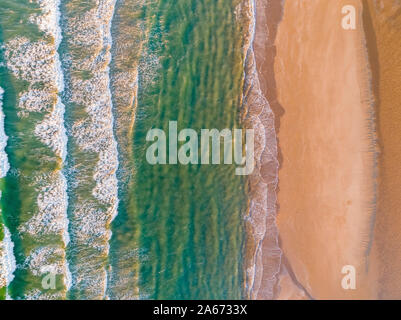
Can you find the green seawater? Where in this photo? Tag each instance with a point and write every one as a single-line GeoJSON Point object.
{"type": "Point", "coordinates": [30, 160]}
{"type": "Point", "coordinates": [190, 217]}
{"type": "Point", "coordinates": [179, 232]}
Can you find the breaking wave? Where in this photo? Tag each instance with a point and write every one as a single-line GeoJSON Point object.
{"type": "Point", "coordinates": [4, 164]}
{"type": "Point", "coordinates": [7, 259]}
{"type": "Point", "coordinates": [89, 30]}
{"type": "Point", "coordinates": [265, 256]}
{"type": "Point", "coordinates": [38, 63]}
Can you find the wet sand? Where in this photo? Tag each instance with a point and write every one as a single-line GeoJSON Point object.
{"type": "Point", "coordinates": [326, 132]}
{"type": "Point", "coordinates": [267, 257]}
{"type": "Point", "coordinates": [383, 27]}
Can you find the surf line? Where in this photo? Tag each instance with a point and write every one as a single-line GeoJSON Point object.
{"type": "Point", "coordinates": [114, 148]}
{"type": "Point", "coordinates": [60, 83]}
{"type": "Point", "coordinates": [7, 258]}
{"type": "Point", "coordinates": [188, 153]}
{"type": "Point", "coordinates": [260, 209]}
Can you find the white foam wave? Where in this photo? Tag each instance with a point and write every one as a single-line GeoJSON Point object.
{"type": "Point", "coordinates": [43, 261]}
{"type": "Point", "coordinates": [262, 273]}
{"type": "Point", "coordinates": [52, 205]}
{"type": "Point", "coordinates": [94, 133]}
{"type": "Point", "coordinates": [38, 63]}
{"type": "Point", "coordinates": [51, 130]}
{"type": "Point", "coordinates": [4, 164]}
{"type": "Point", "coordinates": [48, 19]}
{"type": "Point", "coordinates": [7, 259]}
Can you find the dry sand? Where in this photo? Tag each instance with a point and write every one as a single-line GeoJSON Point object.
{"type": "Point", "coordinates": [326, 136]}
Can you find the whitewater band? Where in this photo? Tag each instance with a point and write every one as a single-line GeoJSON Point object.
{"type": "Point", "coordinates": [188, 153]}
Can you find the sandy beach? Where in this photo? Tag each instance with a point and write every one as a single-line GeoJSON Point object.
{"type": "Point", "coordinates": [319, 89]}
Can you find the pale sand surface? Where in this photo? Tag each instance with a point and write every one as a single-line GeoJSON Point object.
{"type": "Point", "coordinates": [326, 185]}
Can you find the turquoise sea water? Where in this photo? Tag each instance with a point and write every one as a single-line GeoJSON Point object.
{"type": "Point", "coordinates": [84, 81]}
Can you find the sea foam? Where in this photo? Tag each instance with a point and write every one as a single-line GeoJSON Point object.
{"type": "Point", "coordinates": [262, 271]}
{"type": "Point", "coordinates": [7, 259]}
{"type": "Point", "coordinates": [132, 60]}
{"type": "Point", "coordinates": [92, 133]}
{"type": "Point", "coordinates": [4, 164]}
{"type": "Point", "coordinates": [38, 63]}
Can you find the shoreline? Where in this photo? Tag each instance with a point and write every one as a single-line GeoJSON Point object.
{"type": "Point", "coordinates": [263, 255]}
{"type": "Point", "coordinates": [268, 16]}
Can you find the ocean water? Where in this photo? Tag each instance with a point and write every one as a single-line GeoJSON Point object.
{"type": "Point", "coordinates": [84, 81]}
